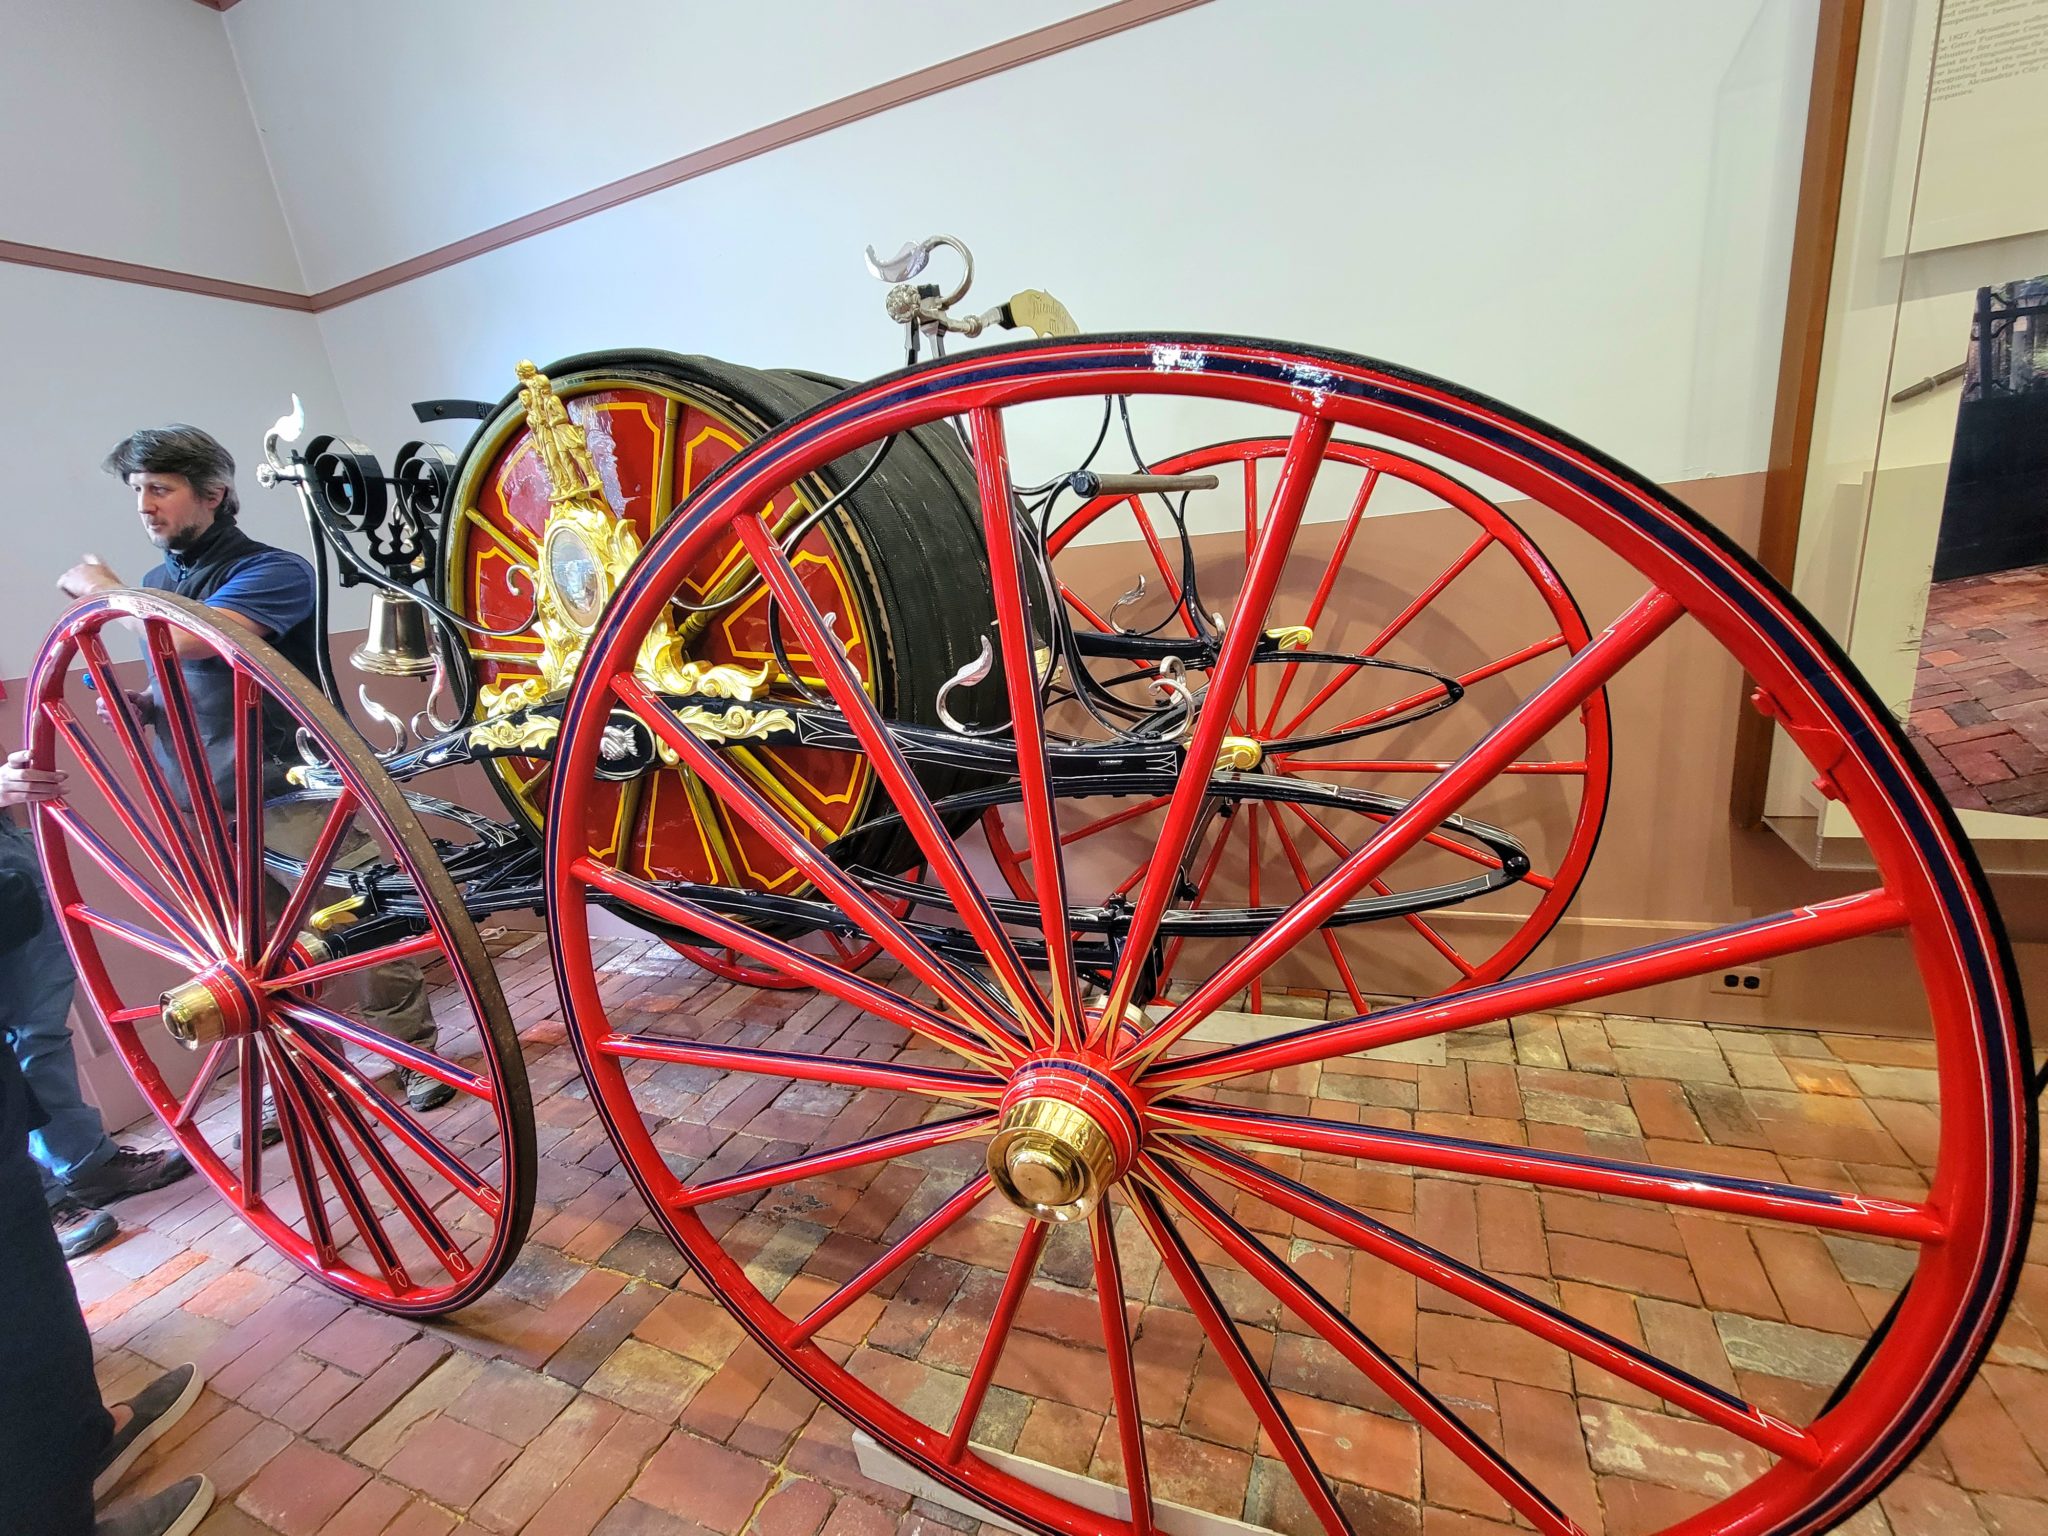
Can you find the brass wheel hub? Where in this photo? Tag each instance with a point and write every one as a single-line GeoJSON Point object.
{"type": "Point", "coordinates": [1067, 1133]}
{"type": "Point", "coordinates": [215, 1005]}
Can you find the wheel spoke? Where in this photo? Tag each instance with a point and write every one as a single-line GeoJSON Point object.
{"type": "Point", "coordinates": [1366, 1357]}
{"type": "Point", "coordinates": [879, 922]}
{"type": "Point", "coordinates": [894, 1257]}
{"type": "Point", "coordinates": [429, 1147]}
{"type": "Point", "coordinates": [809, 969]}
{"type": "Point", "coordinates": [1863, 1215]}
{"type": "Point", "coordinates": [1287, 764]}
{"type": "Point", "coordinates": [854, 1154]}
{"type": "Point", "coordinates": [1123, 1376]}
{"type": "Point", "coordinates": [1324, 586]}
{"type": "Point", "coordinates": [1434, 691]}
{"type": "Point", "coordinates": [1027, 725]}
{"type": "Point", "coordinates": [172, 857]}
{"type": "Point", "coordinates": [138, 938]}
{"type": "Point", "coordinates": [933, 1082]}
{"type": "Point", "coordinates": [174, 702]}
{"type": "Point", "coordinates": [887, 762]}
{"type": "Point", "coordinates": [307, 1098]}
{"type": "Point", "coordinates": [1510, 1305]}
{"type": "Point", "coordinates": [1564, 987]}
{"type": "Point", "coordinates": [305, 1175]}
{"type": "Point", "coordinates": [1251, 1382]}
{"type": "Point", "coordinates": [318, 862]}
{"type": "Point", "coordinates": [343, 965]}
{"type": "Point", "coordinates": [1022, 1265]}
{"type": "Point", "coordinates": [248, 881]}
{"type": "Point", "coordinates": [394, 1050]}
{"type": "Point", "coordinates": [209, 1068]}
{"type": "Point", "coordinates": [417, 1211]}
{"type": "Point", "coordinates": [249, 1061]}
{"type": "Point", "coordinates": [1301, 878]}
{"type": "Point", "coordinates": [124, 874]}
{"type": "Point", "coordinates": [1240, 637]}
{"type": "Point", "coordinates": [1586, 673]}
{"type": "Point", "coordinates": [1400, 621]}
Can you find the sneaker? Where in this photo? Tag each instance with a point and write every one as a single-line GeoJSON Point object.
{"type": "Point", "coordinates": [271, 1134]}
{"type": "Point", "coordinates": [81, 1227]}
{"type": "Point", "coordinates": [176, 1511]}
{"type": "Point", "coordinates": [423, 1092]}
{"type": "Point", "coordinates": [150, 1412]}
{"type": "Point", "coordinates": [128, 1172]}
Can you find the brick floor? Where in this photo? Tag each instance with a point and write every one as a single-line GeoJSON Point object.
{"type": "Point", "coordinates": [1980, 696]}
{"type": "Point", "coordinates": [599, 1389]}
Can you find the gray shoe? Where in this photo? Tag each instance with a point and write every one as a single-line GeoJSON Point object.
{"type": "Point", "coordinates": [150, 1412]}
{"type": "Point", "coordinates": [81, 1227]}
{"type": "Point", "coordinates": [176, 1511]}
{"type": "Point", "coordinates": [129, 1172]}
{"type": "Point", "coordinates": [423, 1092]}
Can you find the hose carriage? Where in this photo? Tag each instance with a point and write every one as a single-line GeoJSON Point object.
{"type": "Point", "coordinates": [1061, 712]}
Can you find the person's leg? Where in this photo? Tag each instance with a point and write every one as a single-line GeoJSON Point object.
{"type": "Point", "coordinates": [55, 1430]}
{"type": "Point", "coordinates": [36, 983]}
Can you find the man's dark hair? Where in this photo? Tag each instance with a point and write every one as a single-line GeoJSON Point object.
{"type": "Point", "coordinates": [180, 450]}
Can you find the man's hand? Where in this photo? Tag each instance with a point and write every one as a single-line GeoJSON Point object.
{"type": "Point", "coordinates": [22, 785]}
{"type": "Point", "coordinates": [90, 575]}
{"type": "Point", "coordinates": [140, 703]}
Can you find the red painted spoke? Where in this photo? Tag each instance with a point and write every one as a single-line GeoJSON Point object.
{"type": "Point", "coordinates": [398, 1051]}
{"type": "Point", "coordinates": [248, 886]}
{"type": "Point", "coordinates": [1366, 1357]}
{"type": "Point", "coordinates": [1240, 637]}
{"type": "Point", "coordinates": [1202, 884]}
{"type": "Point", "coordinates": [849, 1072]}
{"type": "Point", "coordinates": [181, 723]}
{"type": "Point", "coordinates": [1100, 624]}
{"type": "Point", "coordinates": [125, 875]}
{"type": "Point", "coordinates": [130, 1015]}
{"type": "Point", "coordinates": [1301, 878]}
{"type": "Point", "coordinates": [1257, 999]}
{"type": "Point", "coordinates": [855, 1154]}
{"type": "Point", "coordinates": [1314, 616]}
{"type": "Point", "coordinates": [893, 770]}
{"type": "Point", "coordinates": [1864, 1215]}
{"type": "Point", "coordinates": [1102, 824]}
{"type": "Point", "coordinates": [1015, 1284]}
{"type": "Point", "coordinates": [794, 963]}
{"type": "Point", "coordinates": [1251, 539]}
{"type": "Point", "coordinates": [1123, 1376]}
{"type": "Point", "coordinates": [308, 1099]}
{"type": "Point", "coordinates": [879, 922]}
{"type": "Point", "coordinates": [1587, 672]}
{"type": "Point", "coordinates": [1435, 691]}
{"type": "Point", "coordinates": [336, 1069]}
{"type": "Point", "coordinates": [1564, 987]}
{"type": "Point", "coordinates": [1510, 1305]}
{"type": "Point", "coordinates": [318, 862]}
{"type": "Point", "coordinates": [199, 877]}
{"type": "Point", "coordinates": [1229, 1346]}
{"type": "Point", "coordinates": [1166, 571]}
{"type": "Point", "coordinates": [1027, 724]}
{"type": "Point", "coordinates": [417, 1211]}
{"type": "Point", "coordinates": [369, 959]}
{"type": "Point", "coordinates": [249, 1061]}
{"type": "Point", "coordinates": [1343, 850]}
{"type": "Point", "coordinates": [202, 1085]}
{"type": "Point", "coordinates": [170, 856]}
{"type": "Point", "coordinates": [894, 1257]}
{"type": "Point", "coordinates": [305, 1174]}
{"type": "Point", "coordinates": [1290, 764]}
{"type": "Point", "coordinates": [138, 938]}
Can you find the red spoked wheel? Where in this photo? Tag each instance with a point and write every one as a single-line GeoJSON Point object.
{"type": "Point", "coordinates": [999, 1195]}
{"type": "Point", "coordinates": [1459, 578]}
{"type": "Point", "coordinates": [236, 996]}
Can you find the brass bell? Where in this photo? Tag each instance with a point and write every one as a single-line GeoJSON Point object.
{"type": "Point", "coordinates": [396, 644]}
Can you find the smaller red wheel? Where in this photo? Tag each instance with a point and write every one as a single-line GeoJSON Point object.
{"type": "Point", "coordinates": [223, 933]}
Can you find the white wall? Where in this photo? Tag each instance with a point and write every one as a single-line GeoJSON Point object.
{"type": "Point", "coordinates": [400, 127]}
{"type": "Point", "coordinates": [129, 136]}
{"type": "Point", "coordinates": [1584, 208]}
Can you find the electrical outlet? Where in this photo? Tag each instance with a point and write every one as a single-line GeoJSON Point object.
{"type": "Point", "coordinates": [1742, 981]}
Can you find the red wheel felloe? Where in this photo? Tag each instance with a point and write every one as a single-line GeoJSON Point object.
{"type": "Point", "coordinates": [1352, 609]}
{"type": "Point", "coordinates": [235, 997]}
{"type": "Point", "coordinates": [905, 1193]}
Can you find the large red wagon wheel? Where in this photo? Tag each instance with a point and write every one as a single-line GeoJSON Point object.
{"type": "Point", "coordinates": [911, 1212]}
{"type": "Point", "coordinates": [1480, 581]}
{"type": "Point", "coordinates": [234, 998]}
{"type": "Point", "coordinates": [660, 424]}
